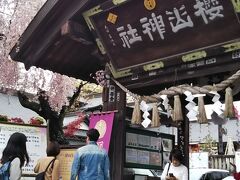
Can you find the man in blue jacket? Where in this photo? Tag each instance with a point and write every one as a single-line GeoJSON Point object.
{"type": "Point", "coordinates": [91, 162]}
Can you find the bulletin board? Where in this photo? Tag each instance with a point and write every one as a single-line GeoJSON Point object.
{"type": "Point", "coordinates": [66, 158]}
{"type": "Point", "coordinates": [36, 142]}
{"type": "Point", "coordinates": [147, 149]}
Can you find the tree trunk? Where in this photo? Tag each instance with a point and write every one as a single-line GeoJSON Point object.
{"type": "Point", "coordinates": [56, 131]}
{"type": "Point", "coordinates": [55, 119]}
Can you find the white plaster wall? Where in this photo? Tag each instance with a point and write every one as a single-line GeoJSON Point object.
{"type": "Point", "coordinates": [199, 131]}
{"type": "Point", "coordinates": [11, 107]}
{"type": "Point", "coordinates": [95, 101]}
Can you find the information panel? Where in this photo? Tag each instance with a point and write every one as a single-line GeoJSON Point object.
{"type": "Point", "coordinates": [36, 141]}
{"type": "Point", "coordinates": [147, 149]}
{"type": "Point", "coordinates": [66, 158]}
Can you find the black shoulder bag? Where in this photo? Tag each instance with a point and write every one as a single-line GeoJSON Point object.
{"type": "Point", "coordinates": [41, 176]}
{"type": "Point", "coordinates": [168, 168]}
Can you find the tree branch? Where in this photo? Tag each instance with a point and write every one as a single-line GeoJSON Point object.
{"type": "Point", "coordinates": [46, 108]}
{"type": "Point", "coordinates": [75, 95]}
{"type": "Point", "coordinates": [24, 101]}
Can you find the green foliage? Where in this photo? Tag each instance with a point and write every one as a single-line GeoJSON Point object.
{"type": "Point", "coordinates": [3, 118]}
{"type": "Point", "coordinates": [210, 145]}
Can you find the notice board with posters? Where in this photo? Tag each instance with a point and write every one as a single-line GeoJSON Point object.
{"type": "Point", "coordinates": [66, 157]}
{"type": "Point", "coordinates": [147, 149]}
{"type": "Point", "coordinates": [36, 142]}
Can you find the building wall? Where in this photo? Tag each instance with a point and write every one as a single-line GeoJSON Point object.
{"type": "Point", "coordinates": [11, 107]}
{"type": "Point", "coordinates": [197, 132]}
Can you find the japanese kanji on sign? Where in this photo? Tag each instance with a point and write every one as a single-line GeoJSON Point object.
{"type": "Point", "coordinates": [133, 34]}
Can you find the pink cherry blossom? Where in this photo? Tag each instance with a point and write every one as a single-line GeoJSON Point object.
{"type": "Point", "coordinates": [15, 15]}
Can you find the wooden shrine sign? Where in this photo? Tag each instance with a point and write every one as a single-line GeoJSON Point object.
{"type": "Point", "coordinates": [155, 34]}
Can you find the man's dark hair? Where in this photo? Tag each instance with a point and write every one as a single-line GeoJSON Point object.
{"type": "Point", "coordinates": [176, 154]}
{"type": "Point", "coordinates": [53, 149]}
{"type": "Point", "coordinates": [93, 134]}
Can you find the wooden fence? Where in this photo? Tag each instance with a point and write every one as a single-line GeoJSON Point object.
{"type": "Point", "coordinates": [221, 162]}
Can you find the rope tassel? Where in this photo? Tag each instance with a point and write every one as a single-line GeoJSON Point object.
{"type": "Point", "coordinates": [202, 117]}
{"type": "Point", "coordinates": [177, 109]}
{"type": "Point", "coordinates": [229, 108]}
{"type": "Point", "coordinates": [155, 117]}
{"type": "Point", "coordinates": [136, 115]}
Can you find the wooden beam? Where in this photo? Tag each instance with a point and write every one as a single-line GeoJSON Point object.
{"type": "Point", "coordinates": [236, 87]}
{"type": "Point", "coordinates": [44, 29]}
{"type": "Point", "coordinates": [76, 32]}
{"type": "Point", "coordinates": [169, 77]}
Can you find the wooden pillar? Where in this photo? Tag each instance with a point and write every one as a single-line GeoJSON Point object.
{"type": "Point", "coordinates": [115, 99]}
{"type": "Point", "coordinates": [183, 134]}
{"type": "Point", "coordinates": [183, 139]}
{"type": "Point", "coordinates": [220, 140]}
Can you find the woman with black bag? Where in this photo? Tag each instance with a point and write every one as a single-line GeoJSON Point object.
{"type": "Point", "coordinates": [175, 170]}
{"type": "Point", "coordinates": [48, 167]}
{"type": "Point", "coordinates": [15, 154]}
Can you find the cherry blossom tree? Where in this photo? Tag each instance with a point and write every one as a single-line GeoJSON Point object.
{"type": "Point", "coordinates": [49, 94]}
{"type": "Point", "coordinates": [52, 107]}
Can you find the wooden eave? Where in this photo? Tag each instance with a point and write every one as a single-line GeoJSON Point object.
{"type": "Point", "coordinates": [59, 41]}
